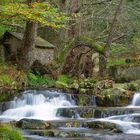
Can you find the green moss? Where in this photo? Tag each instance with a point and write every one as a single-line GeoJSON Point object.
{"type": "Point", "coordinates": [65, 79]}
{"type": "Point", "coordinates": [134, 86]}
{"type": "Point", "coordinates": [82, 101]}
{"type": "Point", "coordinates": [61, 85]}
{"type": "Point", "coordinates": [115, 61]}
{"type": "Point", "coordinates": [7, 132]}
{"type": "Point", "coordinates": [62, 53]}
{"type": "Point", "coordinates": [96, 46]}
{"type": "Point", "coordinates": [5, 79]}
{"type": "Point", "coordinates": [79, 40]}
{"type": "Point", "coordinates": [5, 96]}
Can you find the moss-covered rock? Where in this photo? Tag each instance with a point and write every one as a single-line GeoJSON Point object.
{"type": "Point", "coordinates": [84, 85]}
{"type": "Point", "coordinates": [103, 125]}
{"type": "Point", "coordinates": [91, 86]}
{"type": "Point", "coordinates": [113, 97]}
{"type": "Point", "coordinates": [32, 124]}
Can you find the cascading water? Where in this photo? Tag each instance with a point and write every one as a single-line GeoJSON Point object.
{"type": "Point", "coordinates": [136, 99]}
{"type": "Point", "coordinates": [38, 105]}
{"type": "Point", "coordinates": [54, 105]}
{"type": "Point", "coordinates": [129, 123]}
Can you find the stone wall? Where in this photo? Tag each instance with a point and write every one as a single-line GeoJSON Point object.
{"type": "Point", "coordinates": [125, 73]}
{"type": "Point", "coordinates": [15, 45]}
{"type": "Point", "coordinates": [42, 55]}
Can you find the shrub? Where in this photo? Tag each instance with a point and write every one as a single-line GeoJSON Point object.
{"type": "Point", "coordinates": [7, 132]}
{"type": "Point", "coordinates": [65, 79]}
{"type": "Point", "coordinates": [11, 81]}
{"type": "Point", "coordinates": [11, 78]}
{"type": "Point", "coordinates": [39, 81]}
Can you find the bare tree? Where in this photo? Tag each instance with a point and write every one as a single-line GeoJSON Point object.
{"type": "Point", "coordinates": [103, 58]}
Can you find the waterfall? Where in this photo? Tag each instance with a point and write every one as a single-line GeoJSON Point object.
{"type": "Point", "coordinates": [129, 123]}
{"type": "Point", "coordinates": [136, 99]}
{"type": "Point", "coordinates": [54, 105]}
{"type": "Point", "coordinates": [37, 105]}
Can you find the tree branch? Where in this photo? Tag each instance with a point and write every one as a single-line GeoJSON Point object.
{"type": "Point", "coordinates": [100, 2]}
{"type": "Point", "coordinates": [13, 25]}
{"type": "Point", "coordinates": [88, 42]}
{"type": "Point", "coordinates": [119, 37]}
{"type": "Point", "coordinates": [112, 28]}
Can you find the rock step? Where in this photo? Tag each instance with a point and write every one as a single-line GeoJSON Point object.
{"type": "Point", "coordinates": [94, 112]}
{"type": "Point", "coordinates": [76, 133]}
{"type": "Point", "coordinates": [87, 130]}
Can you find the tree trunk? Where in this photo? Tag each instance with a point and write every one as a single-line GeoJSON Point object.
{"type": "Point", "coordinates": [102, 66]}
{"type": "Point", "coordinates": [28, 45]}
{"type": "Point", "coordinates": [103, 58]}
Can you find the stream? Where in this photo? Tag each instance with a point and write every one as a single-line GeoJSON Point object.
{"type": "Point", "coordinates": [59, 107]}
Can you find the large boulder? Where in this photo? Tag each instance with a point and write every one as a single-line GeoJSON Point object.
{"type": "Point", "coordinates": [4, 106]}
{"type": "Point", "coordinates": [33, 124]}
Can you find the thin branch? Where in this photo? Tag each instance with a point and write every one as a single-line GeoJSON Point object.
{"type": "Point", "coordinates": [99, 3]}
{"type": "Point", "coordinates": [113, 25]}
{"type": "Point", "coordinates": [119, 37]}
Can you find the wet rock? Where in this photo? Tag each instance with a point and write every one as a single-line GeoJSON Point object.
{"type": "Point", "coordinates": [75, 112]}
{"type": "Point", "coordinates": [4, 106]}
{"type": "Point", "coordinates": [68, 113]}
{"type": "Point", "coordinates": [113, 97]}
{"type": "Point", "coordinates": [57, 133]}
{"type": "Point", "coordinates": [133, 118]}
{"type": "Point", "coordinates": [32, 124]}
{"type": "Point", "coordinates": [108, 112]}
{"type": "Point", "coordinates": [103, 125]}
{"type": "Point", "coordinates": [136, 119]}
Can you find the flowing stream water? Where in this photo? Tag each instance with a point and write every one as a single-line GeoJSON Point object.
{"type": "Point", "coordinates": [40, 105]}
{"type": "Point", "coordinates": [130, 123]}
{"type": "Point", "coordinates": [55, 105]}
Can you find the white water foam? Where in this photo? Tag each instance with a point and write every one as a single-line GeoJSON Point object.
{"type": "Point", "coordinates": [128, 123]}
{"type": "Point", "coordinates": [44, 105]}
{"type": "Point", "coordinates": [37, 106]}
{"type": "Point", "coordinates": [136, 99]}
